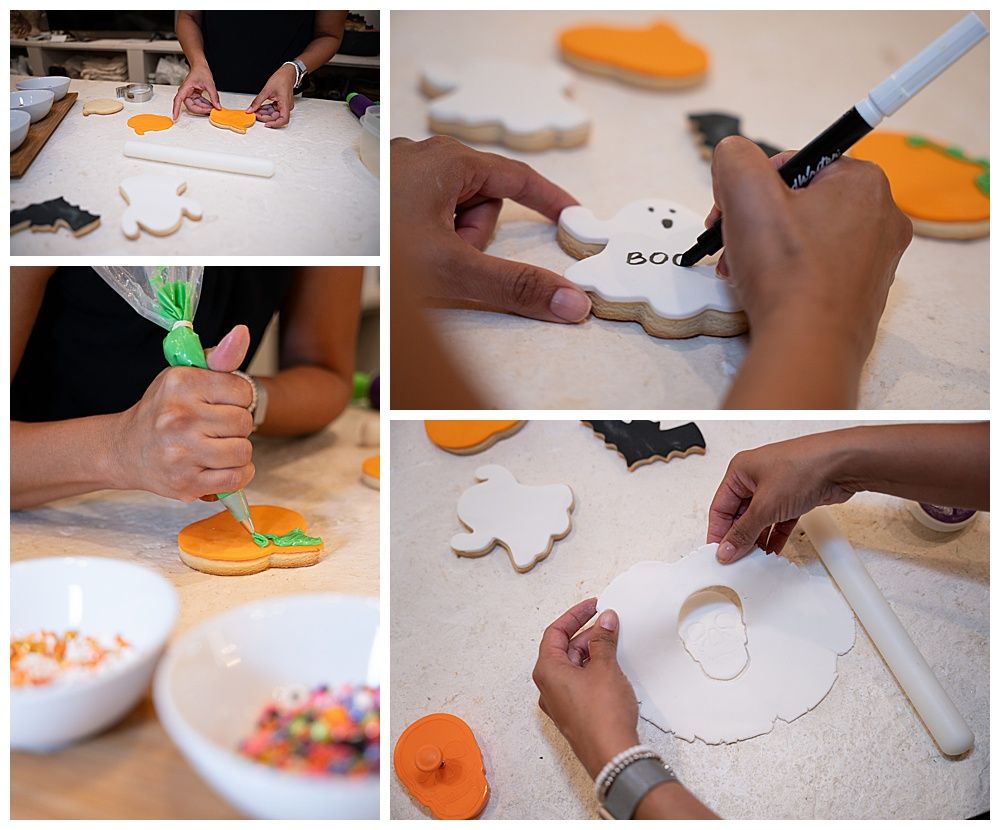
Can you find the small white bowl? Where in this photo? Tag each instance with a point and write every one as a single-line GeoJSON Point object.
{"type": "Point", "coordinates": [35, 102]}
{"type": "Point", "coordinates": [19, 123]}
{"type": "Point", "coordinates": [216, 678]}
{"type": "Point", "coordinates": [55, 84]}
{"type": "Point", "coordinates": [97, 597]}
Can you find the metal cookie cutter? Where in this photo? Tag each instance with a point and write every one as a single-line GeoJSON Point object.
{"type": "Point", "coordinates": [135, 93]}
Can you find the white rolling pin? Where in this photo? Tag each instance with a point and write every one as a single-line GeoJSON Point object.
{"type": "Point", "coordinates": [205, 159]}
{"type": "Point", "coordinates": [917, 679]}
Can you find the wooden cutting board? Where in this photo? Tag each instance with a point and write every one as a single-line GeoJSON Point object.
{"type": "Point", "coordinates": [38, 134]}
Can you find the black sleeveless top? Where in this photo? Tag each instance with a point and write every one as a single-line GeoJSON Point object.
{"type": "Point", "coordinates": [91, 353]}
{"type": "Point", "coordinates": [244, 49]}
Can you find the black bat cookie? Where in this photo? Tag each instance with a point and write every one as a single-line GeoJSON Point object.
{"type": "Point", "coordinates": [52, 215]}
{"type": "Point", "coordinates": [640, 442]}
{"type": "Point", "coordinates": [712, 127]}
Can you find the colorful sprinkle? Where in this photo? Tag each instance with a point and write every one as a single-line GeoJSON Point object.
{"type": "Point", "coordinates": [321, 732]}
{"type": "Point", "coordinates": [44, 657]}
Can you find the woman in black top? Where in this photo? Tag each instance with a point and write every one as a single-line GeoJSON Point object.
{"type": "Point", "coordinates": [94, 406]}
{"type": "Point", "coordinates": [253, 52]}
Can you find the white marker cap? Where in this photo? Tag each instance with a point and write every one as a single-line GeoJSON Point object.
{"type": "Point", "coordinates": [919, 71]}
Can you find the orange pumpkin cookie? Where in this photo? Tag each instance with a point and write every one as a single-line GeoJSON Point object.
{"type": "Point", "coordinates": [370, 472]}
{"type": "Point", "coordinates": [469, 437]}
{"type": "Point", "coordinates": [236, 120]}
{"type": "Point", "coordinates": [945, 193]}
{"type": "Point", "coordinates": [147, 122]}
{"type": "Point", "coordinates": [439, 762]}
{"type": "Point", "coordinates": [220, 545]}
{"type": "Point", "coordinates": [655, 56]}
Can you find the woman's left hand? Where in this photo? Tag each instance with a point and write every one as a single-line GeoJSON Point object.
{"type": "Point", "coordinates": [280, 92]}
{"type": "Point", "coordinates": [582, 687]}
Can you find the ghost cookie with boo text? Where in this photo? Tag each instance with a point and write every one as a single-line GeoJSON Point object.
{"type": "Point", "coordinates": [628, 266]}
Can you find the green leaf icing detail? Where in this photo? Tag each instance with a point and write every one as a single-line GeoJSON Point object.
{"type": "Point", "coordinates": [982, 180]}
{"type": "Point", "coordinates": [294, 538]}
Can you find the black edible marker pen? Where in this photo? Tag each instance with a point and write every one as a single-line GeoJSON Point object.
{"type": "Point", "coordinates": [862, 118]}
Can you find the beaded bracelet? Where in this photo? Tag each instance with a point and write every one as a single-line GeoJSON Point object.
{"type": "Point", "coordinates": [612, 769]}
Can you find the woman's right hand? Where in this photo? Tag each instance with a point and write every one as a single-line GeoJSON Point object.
{"type": "Point", "coordinates": [188, 435]}
{"type": "Point", "coordinates": [821, 257]}
{"type": "Point", "coordinates": [198, 80]}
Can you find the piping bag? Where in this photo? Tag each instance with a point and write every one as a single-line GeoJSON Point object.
{"type": "Point", "coordinates": [168, 296]}
{"type": "Point", "coordinates": [915, 676]}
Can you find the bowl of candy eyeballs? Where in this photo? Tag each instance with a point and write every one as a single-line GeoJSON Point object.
{"type": "Point", "coordinates": [276, 704]}
{"type": "Point", "coordinates": [86, 633]}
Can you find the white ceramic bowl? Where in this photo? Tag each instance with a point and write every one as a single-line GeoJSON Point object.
{"type": "Point", "coordinates": [35, 102]}
{"type": "Point", "coordinates": [97, 597]}
{"type": "Point", "coordinates": [55, 84]}
{"type": "Point", "coordinates": [217, 677]}
{"type": "Point", "coordinates": [19, 123]}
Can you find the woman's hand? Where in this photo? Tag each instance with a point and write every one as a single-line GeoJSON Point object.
{"type": "Point", "coordinates": [198, 80]}
{"type": "Point", "coordinates": [812, 268]}
{"type": "Point", "coordinates": [764, 491]}
{"type": "Point", "coordinates": [187, 436]}
{"type": "Point", "coordinates": [582, 688]}
{"type": "Point", "coordinates": [446, 198]}
{"type": "Point", "coordinates": [280, 92]}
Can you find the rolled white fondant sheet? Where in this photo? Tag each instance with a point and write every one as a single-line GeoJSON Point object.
{"type": "Point", "coordinates": [917, 679]}
{"type": "Point", "coordinates": [205, 159]}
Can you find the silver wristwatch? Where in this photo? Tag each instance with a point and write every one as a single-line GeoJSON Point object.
{"type": "Point", "coordinates": [631, 784]}
{"type": "Point", "coordinates": [258, 404]}
{"type": "Point", "coordinates": [300, 71]}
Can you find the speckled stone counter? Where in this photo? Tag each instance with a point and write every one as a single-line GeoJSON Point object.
{"type": "Point", "coordinates": [321, 199]}
{"type": "Point", "coordinates": [774, 70]}
{"type": "Point", "coordinates": [465, 634]}
{"type": "Point", "coordinates": [133, 770]}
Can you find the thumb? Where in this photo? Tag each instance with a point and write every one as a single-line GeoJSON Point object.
{"type": "Point", "coordinates": [603, 644]}
{"type": "Point", "coordinates": [229, 354]}
{"type": "Point", "coordinates": [213, 94]}
{"type": "Point", "coordinates": [256, 102]}
{"type": "Point", "coordinates": [743, 535]}
{"type": "Point", "coordinates": [523, 289]}
{"type": "Point", "coordinates": [744, 181]}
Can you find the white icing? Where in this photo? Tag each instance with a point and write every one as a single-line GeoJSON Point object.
{"type": "Point", "coordinates": [671, 291]}
{"type": "Point", "coordinates": [154, 204]}
{"type": "Point", "coordinates": [524, 519]}
{"type": "Point", "coordinates": [522, 98]}
{"type": "Point", "coordinates": [795, 626]}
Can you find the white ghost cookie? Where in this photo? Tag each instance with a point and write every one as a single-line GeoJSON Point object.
{"type": "Point", "coordinates": [627, 265]}
{"type": "Point", "coordinates": [705, 666]}
{"type": "Point", "coordinates": [524, 106]}
{"type": "Point", "coordinates": [524, 519]}
{"type": "Point", "coordinates": [155, 205]}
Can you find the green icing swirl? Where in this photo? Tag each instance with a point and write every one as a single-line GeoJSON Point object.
{"type": "Point", "coordinates": [982, 180]}
{"type": "Point", "coordinates": [294, 538]}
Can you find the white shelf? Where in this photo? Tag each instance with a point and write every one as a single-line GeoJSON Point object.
{"type": "Point", "coordinates": [140, 54]}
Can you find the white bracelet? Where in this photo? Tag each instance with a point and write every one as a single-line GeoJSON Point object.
{"type": "Point", "coordinates": [612, 768]}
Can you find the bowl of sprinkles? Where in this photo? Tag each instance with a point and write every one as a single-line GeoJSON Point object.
{"type": "Point", "coordinates": [276, 704]}
{"type": "Point", "coordinates": [86, 633]}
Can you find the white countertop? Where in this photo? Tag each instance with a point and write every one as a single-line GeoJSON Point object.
{"type": "Point", "coordinates": [465, 634]}
{"type": "Point", "coordinates": [773, 70]}
{"type": "Point", "coordinates": [321, 200]}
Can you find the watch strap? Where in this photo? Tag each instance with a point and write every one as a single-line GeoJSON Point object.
{"type": "Point", "coordinates": [632, 783]}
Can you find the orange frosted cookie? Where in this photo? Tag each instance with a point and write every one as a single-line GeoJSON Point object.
{"type": "Point", "coordinates": [370, 471]}
{"type": "Point", "coordinates": [236, 120]}
{"type": "Point", "coordinates": [220, 545]}
{"type": "Point", "coordinates": [655, 56]}
{"type": "Point", "coordinates": [468, 437]}
{"type": "Point", "coordinates": [148, 123]}
{"type": "Point", "coordinates": [945, 192]}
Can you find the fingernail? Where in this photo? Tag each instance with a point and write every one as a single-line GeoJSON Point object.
{"type": "Point", "coordinates": [226, 339]}
{"type": "Point", "coordinates": [570, 305]}
{"type": "Point", "coordinates": [608, 620]}
{"type": "Point", "coordinates": [726, 551]}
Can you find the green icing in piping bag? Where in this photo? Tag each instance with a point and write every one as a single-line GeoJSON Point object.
{"type": "Point", "coordinates": [982, 180]}
{"type": "Point", "coordinates": [294, 538]}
